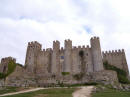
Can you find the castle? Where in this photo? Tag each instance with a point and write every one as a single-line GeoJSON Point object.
{"type": "Point", "coordinates": [49, 65]}
{"type": "Point", "coordinates": [71, 59]}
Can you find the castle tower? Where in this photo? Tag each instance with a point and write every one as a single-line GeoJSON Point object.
{"type": "Point", "coordinates": [67, 56]}
{"type": "Point", "coordinates": [96, 54]}
{"type": "Point", "coordinates": [56, 58]}
{"type": "Point", "coordinates": [31, 55]}
{"type": "Point", "coordinates": [4, 64]}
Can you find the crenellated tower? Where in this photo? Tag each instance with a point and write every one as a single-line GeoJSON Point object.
{"type": "Point", "coordinates": [96, 54]}
{"type": "Point", "coordinates": [56, 58]}
{"type": "Point", "coordinates": [67, 55]}
{"type": "Point", "coordinates": [31, 55]}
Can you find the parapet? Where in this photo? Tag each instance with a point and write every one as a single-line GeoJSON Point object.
{"type": "Point", "coordinates": [34, 44]}
{"type": "Point", "coordinates": [114, 52]}
{"type": "Point", "coordinates": [68, 44]}
{"type": "Point", "coordinates": [68, 40]}
{"type": "Point", "coordinates": [95, 38]}
{"type": "Point", "coordinates": [7, 59]}
{"type": "Point", "coordinates": [56, 45]}
{"type": "Point", "coordinates": [56, 41]}
{"type": "Point", "coordinates": [48, 49]}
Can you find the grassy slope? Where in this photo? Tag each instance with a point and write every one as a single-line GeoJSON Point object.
{"type": "Point", "coordinates": [111, 93]}
{"type": "Point", "coordinates": [62, 92]}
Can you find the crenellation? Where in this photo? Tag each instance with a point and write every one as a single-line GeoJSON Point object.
{"type": "Point", "coordinates": [79, 47]}
{"type": "Point", "coordinates": [88, 46]}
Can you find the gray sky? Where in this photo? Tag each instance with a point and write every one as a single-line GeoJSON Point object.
{"type": "Point", "coordinates": [22, 21]}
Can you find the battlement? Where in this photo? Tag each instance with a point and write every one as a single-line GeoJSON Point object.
{"type": "Point", "coordinates": [7, 59]}
{"type": "Point", "coordinates": [95, 38]}
{"type": "Point", "coordinates": [81, 47]}
{"type": "Point", "coordinates": [34, 44]}
{"type": "Point", "coordinates": [113, 52]}
{"type": "Point", "coordinates": [68, 40]}
{"type": "Point", "coordinates": [68, 44]}
{"type": "Point", "coordinates": [56, 41]}
{"type": "Point", "coordinates": [56, 45]}
{"type": "Point", "coordinates": [49, 49]}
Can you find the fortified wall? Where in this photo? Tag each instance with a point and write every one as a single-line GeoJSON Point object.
{"type": "Point", "coordinates": [116, 58]}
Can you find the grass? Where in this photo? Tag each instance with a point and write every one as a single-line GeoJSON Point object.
{"type": "Point", "coordinates": [111, 93]}
{"type": "Point", "coordinates": [61, 92]}
{"type": "Point", "coordinates": [8, 90]}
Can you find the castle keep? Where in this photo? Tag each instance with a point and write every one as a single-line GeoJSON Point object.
{"type": "Point", "coordinates": [63, 64]}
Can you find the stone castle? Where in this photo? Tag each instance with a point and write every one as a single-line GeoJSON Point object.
{"type": "Point", "coordinates": [60, 64]}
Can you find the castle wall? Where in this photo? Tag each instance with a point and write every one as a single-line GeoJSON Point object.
{"type": "Point", "coordinates": [41, 67]}
{"type": "Point", "coordinates": [81, 64]}
{"type": "Point", "coordinates": [116, 58]}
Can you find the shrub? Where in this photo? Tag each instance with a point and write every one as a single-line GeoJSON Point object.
{"type": "Point", "coordinates": [65, 73]}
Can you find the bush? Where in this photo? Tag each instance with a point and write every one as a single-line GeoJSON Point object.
{"type": "Point", "coordinates": [65, 73]}
{"type": "Point", "coordinates": [121, 74]}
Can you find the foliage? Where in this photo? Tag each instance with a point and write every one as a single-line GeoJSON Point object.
{"type": "Point", "coordinates": [121, 74]}
{"type": "Point", "coordinates": [11, 68]}
{"type": "Point", "coordinates": [65, 73]}
{"type": "Point", "coordinates": [55, 92]}
{"type": "Point", "coordinates": [78, 76]}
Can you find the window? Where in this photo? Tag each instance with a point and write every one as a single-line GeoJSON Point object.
{"type": "Point", "coordinates": [62, 57]}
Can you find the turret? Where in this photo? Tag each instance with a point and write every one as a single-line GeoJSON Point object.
{"type": "Point", "coordinates": [96, 54]}
{"type": "Point", "coordinates": [67, 56]}
{"type": "Point", "coordinates": [31, 55]}
{"type": "Point", "coordinates": [4, 64]}
{"type": "Point", "coordinates": [55, 58]}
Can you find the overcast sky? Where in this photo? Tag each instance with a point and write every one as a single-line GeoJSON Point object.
{"type": "Point", "coordinates": [22, 21]}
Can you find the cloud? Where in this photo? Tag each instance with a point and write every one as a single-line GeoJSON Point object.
{"type": "Point", "coordinates": [47, 20]}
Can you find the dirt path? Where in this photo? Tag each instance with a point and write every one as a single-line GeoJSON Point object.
{"type": "Point", "coordinates": [24, 91]}
{"type": "Point", "coordinates": [83, 92]}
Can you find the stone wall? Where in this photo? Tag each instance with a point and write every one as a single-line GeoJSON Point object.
{"type": "Point", "coordinates": [116, 58]}
{"type": "Point", "coordinates": [20, 77]}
